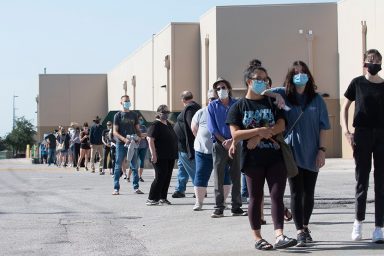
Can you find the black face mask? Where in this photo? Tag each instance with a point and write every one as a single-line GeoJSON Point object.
{"type": "Point", "coordinates": [373, 69]}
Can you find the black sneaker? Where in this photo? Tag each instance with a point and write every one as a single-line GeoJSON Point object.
{"type": "Point", "coordinates": [178, 194]}
{"type": "Point", "coordinates": [301, 239]}
{"type": "Point", "coordinates": [218, 213]}
{"type": "Point", "coordinates": [285, 242]}
{"type": "Point", "coordinates": [141, 179]}
{"type": "Point", "coordinates": [165, 201]}
{"type": "Point", "coordinates": [238, 212]}
{"type": "Point", "coordinates": [308, 235]}
{"type": "Point", "coordinates": [152, 202]}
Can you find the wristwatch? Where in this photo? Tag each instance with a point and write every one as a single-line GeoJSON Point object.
{"type": "Point", "coordinates": [323, 149]}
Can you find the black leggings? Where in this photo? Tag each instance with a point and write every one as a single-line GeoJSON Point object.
{"type": "Point", "coordinates": [302, 196]}
{"type": "Point", "coordinates": [163, 174]}
{"type": "Point", "coordinates": [276, 176]}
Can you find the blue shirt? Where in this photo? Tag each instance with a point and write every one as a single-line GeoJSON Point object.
{"type": "Point", "coordinates": [304, 138]}
{"type": "Point", "coordinates": [217, 115]}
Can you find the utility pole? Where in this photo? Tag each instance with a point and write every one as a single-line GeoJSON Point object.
{"type": "Point", "coordinates": [14, 112]}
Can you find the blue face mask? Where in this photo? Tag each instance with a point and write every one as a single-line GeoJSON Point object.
{"type": "Point", "coordinates": [126, 104]}
{"type": "Point", "coordinates": [300, 79]}
{"type": "Point", "coordinates": [258, 86]}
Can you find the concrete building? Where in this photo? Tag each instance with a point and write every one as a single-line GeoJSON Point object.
{"type": "Point", "coordinates": [190, 56]}
{"type": "Point", "coordinates": [66, 98]}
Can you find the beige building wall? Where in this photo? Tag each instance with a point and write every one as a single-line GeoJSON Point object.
{"type": "Point", "coordinates": [165, 66]}
{"type": "Point", "coordinates": [65, 98]}
{"type": "Point", "coordinates": [350, 15]}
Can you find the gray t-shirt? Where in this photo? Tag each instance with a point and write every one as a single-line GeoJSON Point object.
{"type": "Point", "coordinates": [203, 142]}
{"type": "Point", "coordinates": [126, 122]}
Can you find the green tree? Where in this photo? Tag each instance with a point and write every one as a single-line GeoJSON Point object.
{"type": "Point", "coordinates": [3, 145]}
{"type": "Point", "coordinates": [21, 136]}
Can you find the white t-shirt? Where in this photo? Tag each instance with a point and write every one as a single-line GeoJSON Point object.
{"type": "Point", "coordinates": [203, 142]}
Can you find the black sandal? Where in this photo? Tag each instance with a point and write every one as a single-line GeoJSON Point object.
{"type": "Point", "coordinates": [263, 245]}
{"type": "Point", "coordinates": [287, 214]}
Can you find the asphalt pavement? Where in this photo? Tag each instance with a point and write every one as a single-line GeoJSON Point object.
{"type": "Point", "coordinates": [58, 211]}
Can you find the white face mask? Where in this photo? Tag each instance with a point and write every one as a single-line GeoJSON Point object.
{"type": "Point", "coordinates": [223, 94]}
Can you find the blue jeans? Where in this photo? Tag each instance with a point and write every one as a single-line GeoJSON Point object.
{"type": "Point", "coordinates": [187, 168]}
{"type": "Point", "coordinates": [51, 155]}
{"type": "Point", "coordinates": [142, 152]}
{"type": "Point", "coordinates": [121, 153]}
{"type": "Point", "coordinates": [204, 167]}
{"type": "Point", "coordinates": [244, 188]}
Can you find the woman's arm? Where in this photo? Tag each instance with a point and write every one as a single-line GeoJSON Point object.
{"type": "Point", "coordinates": [152, 149]}
{"type": "Point", "coordinates": [344, 122]}
{"type": "Point", "coordinates": [239, 135]}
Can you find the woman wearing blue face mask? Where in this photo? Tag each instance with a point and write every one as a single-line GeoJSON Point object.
{"type": "Point", "coordinates": [307, 122]}
{"type": "Point", "coordinates": [255, 121]}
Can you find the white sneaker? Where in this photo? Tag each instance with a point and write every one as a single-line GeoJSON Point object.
{"type": "Point", "coordinates": [197, 207]}
{"type": "Point", "coordinates": [377, 236]}
{"type": "Point", "coordinates": [357, 231]}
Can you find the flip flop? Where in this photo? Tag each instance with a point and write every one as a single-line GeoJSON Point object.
{"type": "Point", "coordinates": [263, 245]}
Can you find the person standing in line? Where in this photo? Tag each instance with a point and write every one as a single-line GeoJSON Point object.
{"type": "Point", "coordinates": [141, 150]}
{"type": "Point", "coordinates": [186, 140]}
{"type": "Point", "coordinates": [95, 139]}
{"type": "Point", "coordinates": [222, 140]}
{"type": "Point", "coordinates": [85, 147]}
{"type": "Point", "coordinates": [125, 124]}
{"type": "Point", "coordinates": [307, 122]}
{"type": "Point", "coordinates": [203, 152]}
{"type": "Point", "coordinates": [75, 144]}
{"type": "Point", "coordinates": [51, 145]}
{"type": "Point", "coordinates": [255, 121]}
{"type": "Point", "coordinates": [163, 143]}
{"type": "Point", "coordinates": [107, 159]}
{"type": "Point", "coordinates": [367, 141]}
{"type": "Point", "coordinates": [63, 140]}
{"type": "Point", "coordinates": [43, 152]}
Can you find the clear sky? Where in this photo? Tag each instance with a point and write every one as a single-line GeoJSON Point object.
{"type": "Point", "coordinates": [80, 36]}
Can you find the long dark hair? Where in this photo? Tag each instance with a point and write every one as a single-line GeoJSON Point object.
{"type": "Point", "coordinates": [290, 88]}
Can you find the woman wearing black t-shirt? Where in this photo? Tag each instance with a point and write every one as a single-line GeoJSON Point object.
{"type": "Point", "coordinates": [255, 121]}
{"type": "Point", "coordinates": [368, 139]}
{"type": "Point", "coordinates": [85, 147]}
{"type": "Point", "coordinates": [162, 142]}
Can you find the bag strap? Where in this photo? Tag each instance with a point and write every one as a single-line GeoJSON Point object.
{"type": "Point", "coordinates": [293, 126]}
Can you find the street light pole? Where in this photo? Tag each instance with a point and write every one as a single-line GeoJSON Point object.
{"type": "Point", "coordinates": [14, 112]}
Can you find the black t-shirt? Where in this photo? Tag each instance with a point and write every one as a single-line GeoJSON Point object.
{"type": "Point", "coordinates": [125, 123]}
{"type": "Point", "coordinates": [369, 102]}
{"type": "Point", "coordinates": [249, 114]}
{"type": "Point", "coordinates": [165, 140]}
{"type": "Point", "coordinates": [51, 139]}
{"type": "Point", "coordinates": [106, 137]}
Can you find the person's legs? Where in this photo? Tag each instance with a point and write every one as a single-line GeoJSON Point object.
{"type": "Point", "coordinates": [220, 159]}
{"type": "Point", "coordinates": [189, 165]}
{"type": "Point", "coordinates": [255, 179]}
{"type": "Point", "coordinates": [182, 179]}
{"type": "Point", "coordinates": [234, 170]}
{"type": "Point", "coordinates": [76, 154]}
{"type": "Point", "coordinates": [142, 152]}
{"type": "Point", "coordinates": [93, 157]}
{"type": "Point", "coordinates": [135, 175]}
{"type": "Point", "coordinates": [121, 152]}
{"type": "Point", "coordinates": [106, 151]}
{"type": "Point", "coordinates": [82, 155]}
{"type": "Point", "coordinates": [309, 185]}
{"type": "Point", "coordinates": [159, 181]}
{"type": "Point", "coordinates": [297, 187]}
{"type": "Point", "coordinates": [204, 165]}
{"type": "Point", "coordinates": [167, 179]}
{"type": "Point", "coordinates": [244, 189]}
{"type": "Point", "coordinates": [363, 157]}
{"type": "Point", "coordinates": [378, 163]}
{"type": "Point", "coordinates": [276, 176]}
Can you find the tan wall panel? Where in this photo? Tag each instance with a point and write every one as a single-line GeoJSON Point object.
{"type": "Point", "coordinates": [71, 98]}
{"type": "Point", "coordinates": [208, 25]}
{"type": "Point", "coordinates": [271, 34]}
{"type": "Point", "coordinates": [186, 63]}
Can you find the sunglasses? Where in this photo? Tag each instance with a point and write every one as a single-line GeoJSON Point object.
{"type": "Point", "coordinates": [220, 88]}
